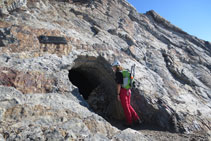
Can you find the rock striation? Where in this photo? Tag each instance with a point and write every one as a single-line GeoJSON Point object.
{"type": "Point", "coordinates": [67, 91]}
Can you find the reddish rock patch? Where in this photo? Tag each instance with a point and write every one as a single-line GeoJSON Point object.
{"type": "Point", "coordinates": [29, 43]}
{"type": "Point", "coordinates": [27, 82]}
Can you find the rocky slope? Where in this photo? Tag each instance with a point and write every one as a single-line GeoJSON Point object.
{"type": "Point", "coordinates": [53, 91]}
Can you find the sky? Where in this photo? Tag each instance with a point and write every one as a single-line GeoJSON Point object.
{"type": "Point", "coordinates": [192, 16]}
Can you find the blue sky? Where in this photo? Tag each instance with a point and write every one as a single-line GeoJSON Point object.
{"type": "Point", "coordinates": [192, 16]}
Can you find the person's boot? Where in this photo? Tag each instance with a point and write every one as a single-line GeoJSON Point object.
{"type": "Point", "coordinates": [138, 122]}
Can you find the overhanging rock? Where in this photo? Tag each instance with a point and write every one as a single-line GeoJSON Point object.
{"type": "Point", "coordinates": [95, 81]}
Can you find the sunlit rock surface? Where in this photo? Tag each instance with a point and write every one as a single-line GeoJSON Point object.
{"type": "Point", "coordinates": [38, 100]}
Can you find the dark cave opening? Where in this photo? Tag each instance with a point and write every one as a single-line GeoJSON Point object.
{"type": "Point", "coordinates": [94, 79]}
{"type": "Point", "coordinates": [85, 81]}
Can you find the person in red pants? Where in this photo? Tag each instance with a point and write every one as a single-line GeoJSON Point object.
{"type": "Point", "coordinates": [124, 95]}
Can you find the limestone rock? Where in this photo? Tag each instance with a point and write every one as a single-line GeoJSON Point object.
{"type": "Point", "coordinates": [11, 5]}
{"type": "Point", "coordinates": [6, 37]}
{"type": "Point", "coordinates": [130, 134]}
{"type": "Point", "coordinates": [23, 36]}
{"type": "Point", "coordinates": [31, 117]}
{"type": "Point", "coordinates": [1, 137]}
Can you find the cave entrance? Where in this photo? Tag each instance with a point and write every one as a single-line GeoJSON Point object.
{"type": "Point", "coordinates": [95, 81]}
{"type": "Point", "coordinates": [85, 79]}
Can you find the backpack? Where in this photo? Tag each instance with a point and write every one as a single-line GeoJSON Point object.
{"type": "Point", "coordinates": [128, 77]}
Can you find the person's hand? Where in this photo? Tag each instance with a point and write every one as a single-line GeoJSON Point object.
{"type": "Point", "coordinates": [118, 97]}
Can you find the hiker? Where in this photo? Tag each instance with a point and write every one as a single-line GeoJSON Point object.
{"type": "Point", "coordinates": [124, 94]}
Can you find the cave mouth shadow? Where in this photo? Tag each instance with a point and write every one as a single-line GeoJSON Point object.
{"type": "Point", "coordinates": [84, 80]}
{"type": "Point", "coordinates": [95, 81]}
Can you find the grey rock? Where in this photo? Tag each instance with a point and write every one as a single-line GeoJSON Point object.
{"type": "Point", "coordinates": [7, 7]}
{"type": "Point", "coordinates": [28, 133]}
{"type": "Point", "coordinates": [129, 134]}
{"type": "Point", "coordinates": [6, 38]}
{"type": "Point", "coordinates": [71, 121]}
{"type": "Point", "coordinates": [1, 138]}
{"type": "Point", "coordinates": [97, 137]}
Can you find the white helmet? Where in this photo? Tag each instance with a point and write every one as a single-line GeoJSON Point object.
{"type": "Point", "coordinates": [116, 63]}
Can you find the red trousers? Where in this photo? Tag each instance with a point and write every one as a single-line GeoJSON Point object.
{"type": "Point", "coordinates": [130, 113]}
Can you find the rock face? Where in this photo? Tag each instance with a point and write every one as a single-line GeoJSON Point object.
{"type": "Point", "coordinates": [51, 91]}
